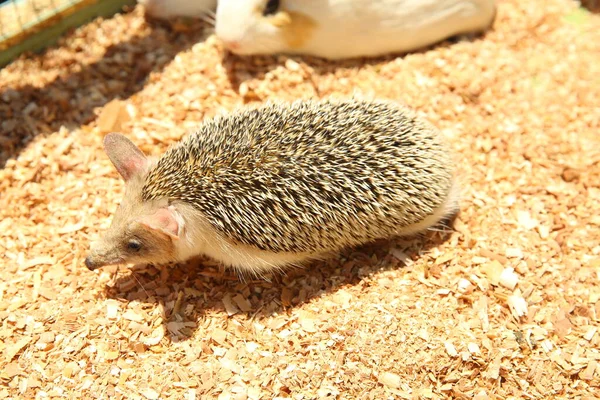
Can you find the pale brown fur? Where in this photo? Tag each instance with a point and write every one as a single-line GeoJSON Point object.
{"type": "Point", "coordinates": [130, 221]}
{"type": "Point", "coordinates": [296, 28]}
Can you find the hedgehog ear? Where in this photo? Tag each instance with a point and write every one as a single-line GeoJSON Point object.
{"type": "Point", "coordinates": [165, 220]}
{"type": "Point", "coordinates": [127, 158]}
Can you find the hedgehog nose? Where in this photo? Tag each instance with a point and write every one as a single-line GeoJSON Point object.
{"type": "Point", "coordinates": [89, 263]}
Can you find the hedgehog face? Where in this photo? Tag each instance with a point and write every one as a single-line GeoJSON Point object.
{"type": "Point", "coordinates": [147, 238]}
{"type": "Point", "coordinates": [140, 232]}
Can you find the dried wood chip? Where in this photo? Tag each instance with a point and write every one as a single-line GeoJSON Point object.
{"type": "Point", "coordinates": [464, 286]}
{"type": "Point", "coordinates": [38, 261]}
{"type": "Point", "coordinates": [113, 116]}
{"type": "Point", "coordinates": [157, 335]}
{"type": "Point", "coordinates": [284, 333]}
{"type": "Point", "coordinates": [547, 346]}
{"type": "Point", "coordinates": [229, 305]}
{"type": "Point", "coordinates": [12, 350]}
{"type": "Point", "coordinates": [481, 260]}
{"type": "Point", "coordinates": [493, 271]}
{"type": "Point", "coordinates": [242, 303]}
{"type": "Point", "coordinates": [178, 303]}
{"type": "Point", "coordinates": [450, 349]}
{"type": "Point", "coordinates": [127, 284]}
{"type": "Point", "coordinates": [588, 373]}
{"type": "Point", "coordinates": [390, 380]}
{"type": "Point", "coordinates": [589, 334]}
{"type": "Point", "coordinates": [481, 306]}
{"type": "Point", "coordinates": [342, 297]}
{"type": "Point", "coordinates": [444, 258]}
{"type": "Point", "coordinates": [10, 370]}
{"type": "Point", "coordinates": [488, 254]}
{"type": "Point", "coordinates": [514, 252]}
{"type": "Point", "coordinates": [423, 334]}
{"type": "Point", "coordinates": [251, 347]}
{"type": "Point", "coordinates": [286, 297]}
{"type": "Point", "coordinates": [401, 256]}
{"type": "Point", "coordinates": [70, 369]}
{"type": "Point", "coordinates": [446, 388]}
{"type": "Point", "coordinates": [45, 342]}
{"type": "Point", "coordinates": [562, 325]}
{"type": "Point", "coordinates": [47, 292]}
{"type": "Point", "coordinates": [482, 395]}
{"type": "Point", "coordinates": [559, 359]}
{"type": "Point", "coordinates": [493, 369]}
{"type": "Point", "coordinates": [219, 336]}
{"type": "Point", "coordinates": [517, 304]}
{"type": "Point", "coordinates": [508, 278]}
{"type": "Point", "coordinates": [307, 321]}
{"type": "Point", "coordinates": [47, 337]}
{"type": "Point", "coordinates": [525, 220]}
{"type": "Point", "coordinates": [150, 394]}
{"type": "Point", "coordinates": [231, 365]}
{"type": "Point", "coordinates": [70, 228]}
{"type": "Point", "coordinates": [133, 316]}
{"type": "Point", "coordinates": [474, 348]}
{"type": "Point", "coordinates": [111, 355]}
{"type": "Point", "coordinates": [112, 309]}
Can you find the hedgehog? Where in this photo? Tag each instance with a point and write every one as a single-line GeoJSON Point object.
{"type": "Point", "coordinates": [280, 184]}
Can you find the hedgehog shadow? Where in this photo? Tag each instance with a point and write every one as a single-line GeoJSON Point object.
{"type": "Point", "coordinates": [240, 69]}
{"type": "Point", "coordinates": [190, 293]}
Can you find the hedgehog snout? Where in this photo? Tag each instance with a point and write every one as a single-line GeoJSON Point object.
{"type": "Point", "coordinates": [90, 264]}
{"type": "Point", "coordinates": [102, 254]}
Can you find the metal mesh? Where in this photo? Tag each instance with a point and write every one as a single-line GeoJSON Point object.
{"type": "Point", "coordinates": [17, 17]}
{"type": "Point", "coordinates": [32, 25]}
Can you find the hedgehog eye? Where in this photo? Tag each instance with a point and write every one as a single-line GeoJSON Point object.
{"type": "Point", "coordinates": [271, 7]}
{"type": "Point", "coordinates": [134, 245]}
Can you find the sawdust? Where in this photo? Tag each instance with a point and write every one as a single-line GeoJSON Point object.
{"type": "Point", "coordinates": [507, 306]}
